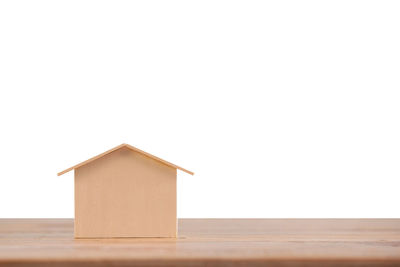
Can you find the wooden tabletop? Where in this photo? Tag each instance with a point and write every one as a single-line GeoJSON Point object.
{"type": "Point", "coordinates": [209, 242]}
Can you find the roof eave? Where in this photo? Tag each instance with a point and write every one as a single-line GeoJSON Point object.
{"type": "Point", "coordinates": [130, 147]}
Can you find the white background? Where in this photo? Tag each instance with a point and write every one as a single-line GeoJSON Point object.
{"type": "Point", "coordinates": [281, 108]}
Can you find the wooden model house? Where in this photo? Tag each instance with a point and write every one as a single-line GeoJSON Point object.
{"type": "Point", "coordinates": [125, 192]}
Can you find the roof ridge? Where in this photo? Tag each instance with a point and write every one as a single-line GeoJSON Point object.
{"type": "Point", "coordinates": [119, 147]}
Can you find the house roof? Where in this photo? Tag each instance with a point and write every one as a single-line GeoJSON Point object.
{"type": "Point", "coordinates": [130, 147]}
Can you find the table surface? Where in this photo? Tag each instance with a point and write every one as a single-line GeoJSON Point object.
{"type": "Point", "coordinates": [209, 242]}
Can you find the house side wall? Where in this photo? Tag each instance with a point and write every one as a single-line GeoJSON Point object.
{"type": "Point", "coordinates": [125, 194]}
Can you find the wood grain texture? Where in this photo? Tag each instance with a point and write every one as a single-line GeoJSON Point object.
{"type": "Point", "coordinates": [125, 194]}
{"type": "Point", "coordinates": [209, 242]}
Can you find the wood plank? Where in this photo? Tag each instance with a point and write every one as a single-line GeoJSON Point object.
{"type": "Point", "coordinates": [209, 242]}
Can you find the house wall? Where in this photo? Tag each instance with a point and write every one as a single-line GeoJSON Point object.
{"type": "Point", "coordinates": [125, 194]}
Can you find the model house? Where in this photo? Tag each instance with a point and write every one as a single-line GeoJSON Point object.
{"type": "Point", "coordinates": [125, 192]}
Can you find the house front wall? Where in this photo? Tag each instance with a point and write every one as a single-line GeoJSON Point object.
{"type": "Point", "coordinates": [125, 194]}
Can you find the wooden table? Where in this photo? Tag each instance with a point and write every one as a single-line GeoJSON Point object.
{"type": "Point", "coordinates": [209, 242]}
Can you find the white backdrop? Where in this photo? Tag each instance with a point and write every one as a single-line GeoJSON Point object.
{"type": "Point", "coordinates": [281, 108]}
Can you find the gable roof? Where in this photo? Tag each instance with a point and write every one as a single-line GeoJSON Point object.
{"type": "Point", "coordinates": [130, 147]}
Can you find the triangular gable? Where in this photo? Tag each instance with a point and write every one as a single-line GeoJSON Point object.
{"type": "Point", "coordinates": [130, 147]}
